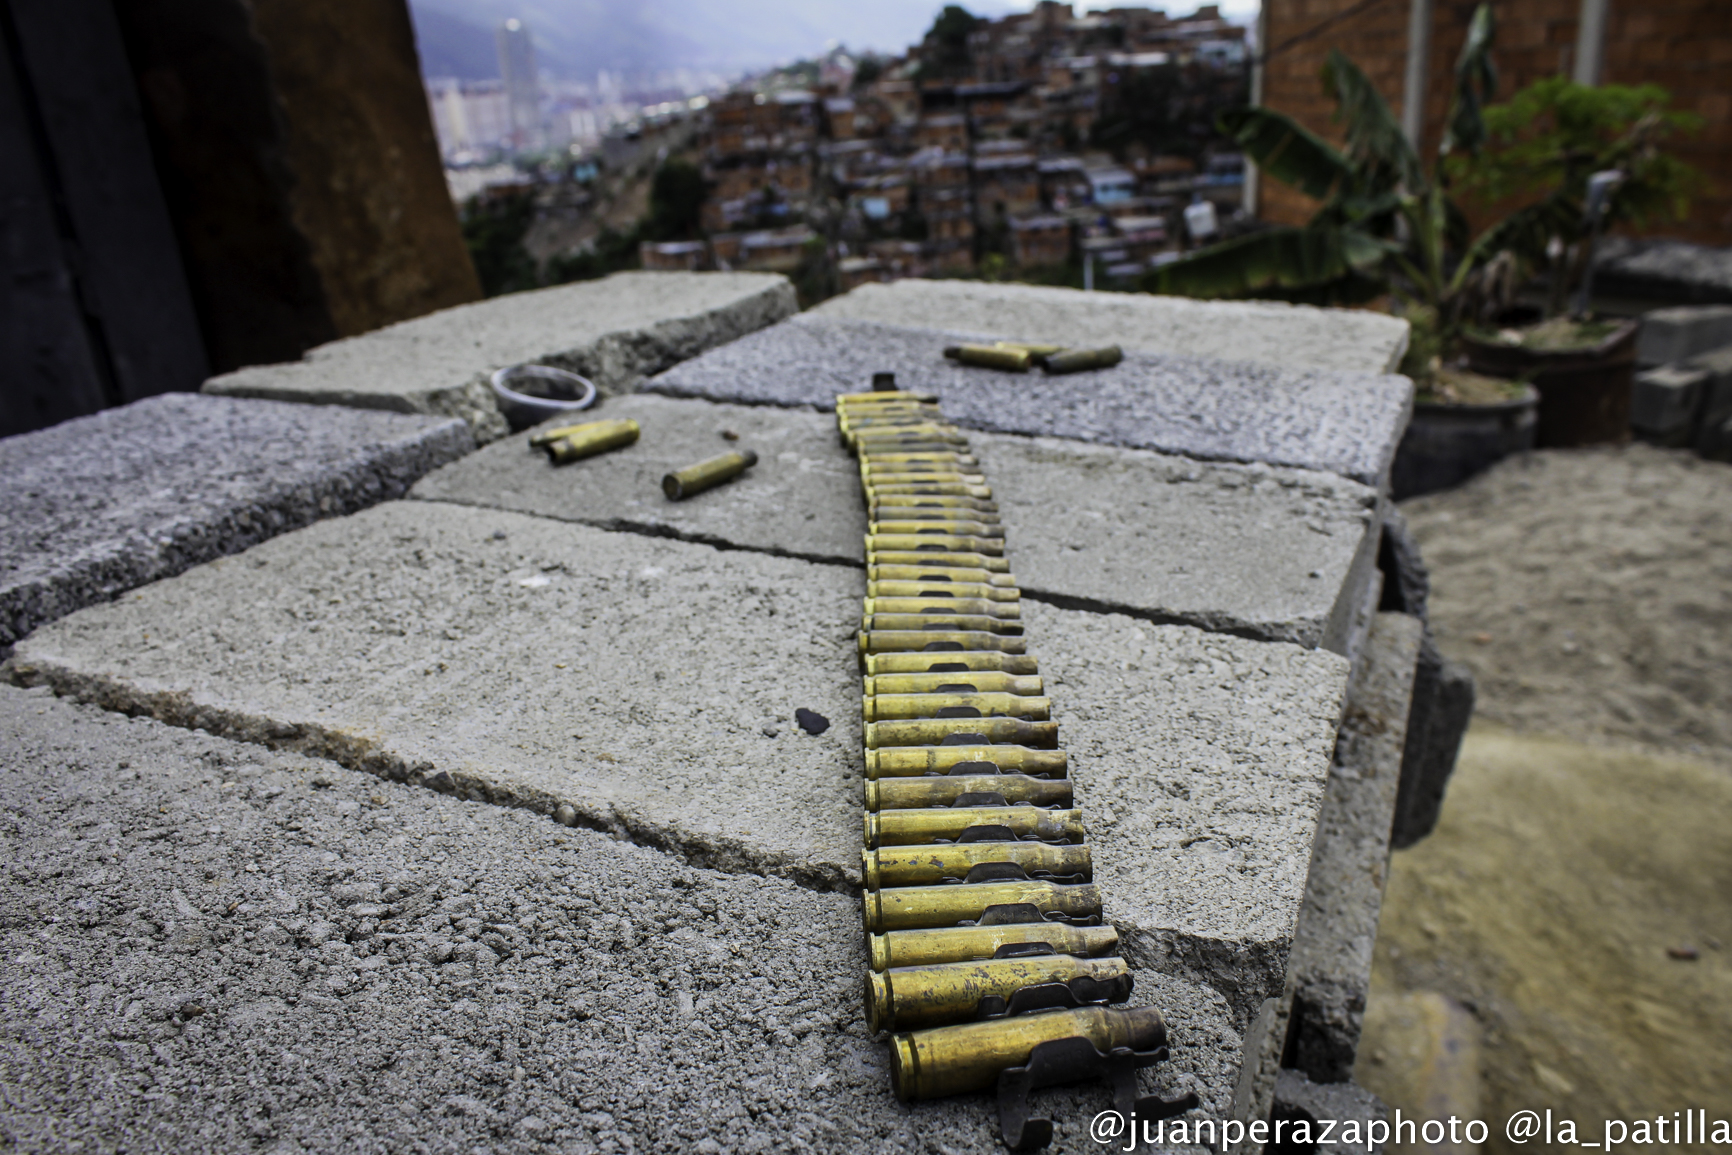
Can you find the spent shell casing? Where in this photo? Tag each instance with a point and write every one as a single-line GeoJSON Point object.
{"type": "Point", "coordinates": [956, 682]}
{"type": "Point", "coordinates": [934, 543]}
{"type": "Point", "coordinates": [991, 357]}
{"type": "Point", "coordinates": [890, 794]}
{"type": "Point", "coordinates": [962, 732]}
{"type": "Point", "coordinates": [683, 483]}
{"type": "Point", "coordinates": [937, 561]}
{"type": "Point", "coordinates": [926, 574]}
{"type": "Point", "coordinates": [872, 484]}
{"type": "Point", "coordinates": [1032, 348]}
{"type": "Point", "coordinates": [923, 907]}
{"type": "Point", "coordinates": [932, 489]}
{"type": "Point", "coordinates": [951, 460]}
{"type": "Point", "coordinates": [924, 430]}
{"type": "Point", "coordinates": [907, 999]}
{"type": "Point", "coordinates": [882, 396]}
{"type": "Point", "coordinates": [897, 866]}
{"type": "Point", "coordinates": [953, 761]}
{"type": "Point", "coordinates": [983, 823]}
{"type": "Point", "coordinates": [892, 623]}
{"type": "Point", "coordinates": [937, 641]}
{"type": "Point", "coordinates": [541, 439]}
{"type": "Point", "coordinates": [877, 451]}
{"type": "Point", "coordinates": [951, 526]}
{"type": "Point", "coordinates": [595, 437]}
{"type": "Point", "coordinates": [918, 948]}
{"type": "Point", "coordinates": [908, 707]}
{"type": "Point", "coordinates": [906, 464]}
{"type": "Point", "coordinates": [1076, 360]}
{"type": "Point", "coordinates": [943, 589]}
{"type": "Point", "coordinates": [911, 416]}
{"type": "Point", "coordinates": [942, 605]}
{"type": "Point", "coordinates": [927, 516]}
{"type": "Point", "coordinates": [899, 662]}
{"type": "Point", "coordinates": [922, 501]}
{"type": "Point", "coordinates": [933, 1064]}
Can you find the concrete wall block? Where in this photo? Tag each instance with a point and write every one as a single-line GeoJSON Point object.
{"type": "Point", "coordinates": [1711, 439]}
{"type": "Point", "coordinates": [1682, 332]}
{"type": "Point", "coordinates": [1665, 401]}
{"type": "Point", "coordinates": [1299, 1100]}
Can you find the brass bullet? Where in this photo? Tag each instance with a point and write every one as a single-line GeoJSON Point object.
{"type": "Point", "coordinates": [943, 589]}
{"type": "Point", "coordinates": [937, 641]}
{"type": "Point", "coordinates": [987, 823]}
{"type": "Point", "coordinates": [1076, 360]}
{"type": "Point", "coordinates": [952, 460]}
{"type": "Point", "coordinates": [683, 483]}
{"type": "Point", "coordinates": [916, 948]}
{"type": "Point", "coordinates": [879, 513]}
{"type": "Point", "coordinates": [952, 528]}
{"type": "Point", "coordinates": [882, 437]}
{"type": "Point", "coordinates": [932, 489]}
{"type": "Point", "coordinates": [935, 562]}
{"type": "Point", "coordinates": [991, 357]}
{"type": "Point", "coordinates": [587, 440]}
{"type": "Point", "coordinates": [923, 907]}
{"type": "Point", "coordinates": [911, 707]}
{"type": "Point", "coordinates": [936, 504]}
{"type": "Point", "coordinates": [963, 732]}
{"type": "Point", "coordinates": [900, 866]}
{"type": "Point", "coordinates": [915, 997]}
{"type": "Point", "coordinates": [956, 1060]}
{"type": "Point", "coordinates": [884, 397]}
{"type": "Point", "coordinates": [962, 575]}
{"type": "Point", "coordinates": [997, 609]}
{"type": "Point", "coordinates": [1037, 351]}
{"type": "Point", "coordinates": [956, 682]}
{"type": "Point", "coordinates": [892, 623]}
{"type": "Point", "coordinates": [933, 543]}
{"type": "Point", "coordinates": [950, 761]}
{"type": "Point", "coordinates": [937, 791]}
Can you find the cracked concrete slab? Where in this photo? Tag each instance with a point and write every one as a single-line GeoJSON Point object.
{"type": "Point", "coordinates": [102, 504]}
{"type": "Point", "coordinates": [1341, 421]}
{"type": "Point", "coordinates": [1264, 552]}
{"type": "Point", "coordinates": [649, 684]}
{"type": "Point", "coordinates": [1269, 332]}
{"type": "Point", "coordinates": [212, 946]}
{"type": "Point", "coordinates": [615, 331]}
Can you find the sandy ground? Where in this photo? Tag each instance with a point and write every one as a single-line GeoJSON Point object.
{"type": "Point", "coordinates": [1576, 898]}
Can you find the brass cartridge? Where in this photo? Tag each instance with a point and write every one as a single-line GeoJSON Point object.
{"type": "Point", "coordinates": [899, 707]}
{"type": "Point", "coordinates": [973, 862]}
{"type": "Point", "coordinates": [931, 996]}
{"type": "Point", "coordinates": [951, 527]}
{"type": "Point", "coordinates": [942, 605]}
{"type": "Point", "coordinates": [587, 440]}
{"type": "Point", "coordinates": [937, 562]}
{"type": "Point", "coordinates": [883, 397]}
{"type": "Point", "coordinates": [936, 504]}
{"type": "Point", "coordinates": [933, 489]}
{"type": "Point", "coordinates": [991, 357]}
{"type": "Point", "coordinates": [1075, 360]}
{"type": "Point", "coordinates": [547, 437]}
{"type": "Point", "coordinates": [937, 641]}
{"type": "Point", "coordinates": [904, 663]}
{"type": "Point", "coordinates": [910, 415]}
{"type": "Point", "coordinates": [890, 794]}
{"type": "Point", "coordinates": [1004, 595]}
{"type": "Point", "coordinates": [981, 823]}
{"type": "Point", "coordinates": [918, 948]}
{"type": "Point", "coordinates": [938, 622]}
{"type": "Point", "coordinates": [926, 574]}
{"type": "Point", "coordinates": [683, 483]}
{"type": "Point", "coordinates": [963, 732]}
{"type": "Point", "coordinates": [956, 1060]}
{"type": "Point", "coordinates": [871, 484]}
{"type": "Point", "coordinates": [915, 761]}
{"type": "Point", "coordinates": [1037, 351]}
{"type": "Point", "coordinates": [955, 682]}
{"type": "Point", "coordinates": [883, 436]}
{"type": "Point", "coordinates": [933, 543]}
{"type": "Point", "coordinates": [936, 457]}
{"type": "Point", "coordinates": [924, 517]}
{"type": "Point", "coordinates": [925, 907]}
{"type": "Point", "coordinates": [871, 467]}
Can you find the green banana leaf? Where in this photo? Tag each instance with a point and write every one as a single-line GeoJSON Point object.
{"type": "Point", "coordinates": [1313, 265]}
{"type": "Point", "coordinates": [1288, 151]}
{"type": "Point", "coordinates": [1376, 147]}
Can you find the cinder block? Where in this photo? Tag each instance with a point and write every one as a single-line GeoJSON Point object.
{"type": "Point", "coordinates": [102, 504]}
{"type": "Point", "coordinates": [1299, 1100]}
{"type": "Point", "coordinates": [1682, 332]}
{"type": "Point", "coordinates": [1712, 439]}
{"type": "Point", "coordinates": [1664, 402]}
{"type": "Point", "coordinates": [614, 331]}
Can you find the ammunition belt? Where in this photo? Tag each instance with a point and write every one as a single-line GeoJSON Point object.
{"type": "Point", "coordinates": [990, 963]}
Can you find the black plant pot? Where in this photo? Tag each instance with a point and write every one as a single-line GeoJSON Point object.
{"type": "Point", "coordinates": [1446, 444]}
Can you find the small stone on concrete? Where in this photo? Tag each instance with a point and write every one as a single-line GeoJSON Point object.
{"type": "Point", "coordinates": [810, 721]}
{"type": "Point", "coordinates": [100, 505]}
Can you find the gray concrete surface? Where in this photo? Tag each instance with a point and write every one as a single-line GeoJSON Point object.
{"type": "Point", "coordinates": [1329, 970]}
{"type": "Point", "coordinates": [614, 331]}
{"type": "Point", "coordinates": [1270, 332]}
{"type": "Point", "coordinates": [212, 947]}
{"type": "Point", "coordinates": [99, 505]}
{"type": "Point", "coordinates": [1263, 552]}
{"type": "Point", "coordinates": [1299, 1100]}
{"type": "Point", "coordinates": [1341, 421]}
{"type": "Point", "coordinates": [650, 684]}
{"type": "Point", "coordinates": [1682, 332]}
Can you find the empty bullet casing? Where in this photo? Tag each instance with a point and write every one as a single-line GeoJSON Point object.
{"type": "Point", "coordinates": [939, 621]}
{"type": "Point", "coordinates": [1033, 349]}
{"type": "Point", "coordinates": [991, 357]}
{"type": "Point", "coordinates": [964, 731]}
{"type": "Point", "coordinates": [932, 489]}
{"type": "Point", "coordinates": [949, 661]}
{"type": "Point", "coordinates": [927, 590]}
{"type": "Point", "coordinates": [997, 609]}
{"type": "Point", "coordinates": [949, 823]}
{"type": "Point", "coordinates": [933, 543]}
{"type": "Point", "coordinates": [899, 866]}
{"type": "Point", "coordinates": [939, 791]}
{"type": "Point", "coordinates": [956, 1060]}
{"type": "Point", "coordinates": [935, 504]}
{"type": "Point", "coordinates": [936, 457]}
{"type": "Point", "coordinates": [931, 996]}
{"type": "Point", "coordinates": [937, 641]}
{"type": "Point", "coordinates": [936, 561]}
{"type": "Point", "coordinates": [704, 475]}
{"type": "Point", "coordinates": [888, 707]}
{"type": "Point", "coordinates": [955, 682]}
{"type": "Point", "coordinates": [1074, 360]}
{"type": "Point", "coordinates": [951, 527]}
{"type": "Point", "coordinates": [915, 761]}
{"type": "Point", "coordinates": [940, 573]}
{"type": "Point", "coordinates": [922, 907]}
{"type": "Point", "coordinates": [883, 437]}
{"type": "Point", "coordinates": [547, 437]}
{"type": "Point", "coordinates": [850, 400]}
{"type": "Point", "coordinates": [913, 515]}
{"type": "Point", "coordinates": [587, 440]}
{"type": "Point", "coordinates": [916, 948]}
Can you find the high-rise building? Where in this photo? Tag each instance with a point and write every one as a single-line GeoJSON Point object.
{"type": "Point", "coordinates": [522, 88]}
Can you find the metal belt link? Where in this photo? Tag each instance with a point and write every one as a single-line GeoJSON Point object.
{"type": "Point", "coordinates": [990, 965]}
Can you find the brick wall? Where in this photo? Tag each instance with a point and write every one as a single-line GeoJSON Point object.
{"type": "Point", "coordinates": [1683, 45]}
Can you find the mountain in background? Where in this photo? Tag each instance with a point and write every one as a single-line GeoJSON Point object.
{"type": "Point", "coordinates": [578, 38]}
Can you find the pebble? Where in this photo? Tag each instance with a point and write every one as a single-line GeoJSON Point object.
{"type": "Point", "coordinates": [811, 721]}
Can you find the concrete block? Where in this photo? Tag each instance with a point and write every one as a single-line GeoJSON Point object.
{"type": "Point", "coordinates": [1713, 437]}
{"type": "Point", "coordinates": [1682, 332]}
{"type": "Point", "coordinates": [99, 505]}
{"type": "Point", "coordinates": [1329, 972]}
{"type": "Point", "coordinates": [1664, 402]}
{"type": "Point", "coordinates": [1340, 421]}
{"type": "Point", "coordinates": [614, 331]}
{"type": "Point", "coordinates": [1300, 1101]}
{"type": "Point", "coordinates": [1254, 550]}
{"type": "Point", "coordinates": [649, 685]}
{"type": "Point", "coordinates": [274, 951]}
{"type": "Point", "coordinates": [1268, 332]}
